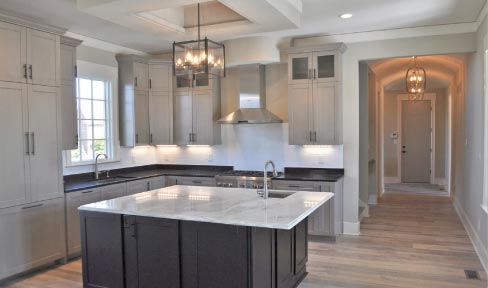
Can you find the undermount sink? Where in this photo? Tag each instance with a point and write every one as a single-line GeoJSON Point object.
{"type": "Point", "coordinates": [279, 194]}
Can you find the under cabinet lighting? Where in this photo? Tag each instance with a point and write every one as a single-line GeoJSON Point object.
{"type": "Point", "coordinates": [346, 16]}
{"type": "Point", "coordinates": [198, 145]}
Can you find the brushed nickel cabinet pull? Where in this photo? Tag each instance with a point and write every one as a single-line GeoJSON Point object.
{"type": "Point", "coordinates": [33, 143]}
{"type": "Point", "coordinates": [151, 138]}
{"type": "Point", "coordinates": [87, 192]}
{"type": "Point", "coordinates": [314, 73]}
{"type": "Point", "coordinates": [310, 136]}
{"type": "Point", "coordinates": [30, 69]}
{"type": "Point", "coordinates": [150, 84]}
{"type": "Point", "coordinates": [27, 142]}
{"type": "Point", "coordinates": [25, 71]}
{"type": "Point", "coordinates": [135, 80]}
{"type": "Point", "coordinates": [315, 136]}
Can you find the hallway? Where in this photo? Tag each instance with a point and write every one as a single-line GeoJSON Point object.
{"type": "Point", "coordinates": [408, 241]}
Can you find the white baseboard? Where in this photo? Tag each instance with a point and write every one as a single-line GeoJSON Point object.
{"type": "Point", "coordinates": [473, 236]}
{"type": "Point", "coordinates": [372, 200]}
{"type": "Point", "coordinates": [351, 228]}
{"type": "Point", "coordinates": [392, 180]}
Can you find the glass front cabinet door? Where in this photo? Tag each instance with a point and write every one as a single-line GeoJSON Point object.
{"type": "Point", "coordinates": [300, 67]}
{"type": "Point", "coordinates": [325, 66]}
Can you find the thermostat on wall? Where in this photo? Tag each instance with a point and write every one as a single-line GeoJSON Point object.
{"type": "Point", "coordinates": [394, 137]}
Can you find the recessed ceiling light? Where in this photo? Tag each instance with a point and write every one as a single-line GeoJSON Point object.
{"type": "Point", "coordinates": [346, 15]}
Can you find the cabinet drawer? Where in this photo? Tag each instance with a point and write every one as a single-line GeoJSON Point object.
{"type": "Point", "coordinates": [195, 181]}
{"type": "Point", "coordinates": [34, 236]}
{"type": "Point", "coordinates": [296, 186]}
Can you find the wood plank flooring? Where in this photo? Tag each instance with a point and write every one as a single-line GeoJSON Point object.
{"type": "Point", "coordinates": [408, 241]}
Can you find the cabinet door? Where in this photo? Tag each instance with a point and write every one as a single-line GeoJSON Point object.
{"type": "Point", "coordinates": [203, 119]}
{"type": "Point", "coordinates": [183, 117]}
{"type": "Point", "coordinates": [161, 117]}
{"type": "Point", "coordinates": [300, 68]}
{"type": "Point", "coordinates": [160, 77]}
{"type": "Point", "coordinates": [68, 65]}
{"type": "Point", "coordinates": [201, 82]}
{"type": "Point", "coordinates": [182, 83]}
{"type": "Point", "coordinates": [14, 170]}
{"type": "Point", "coordinates": [151, 252]}
{"type": "Point", "coordinates": [43, 125]}
{"type": "Point", "coordinates": [324, 107]}
{"type": "Point", "coordinates": [138, 186]}
{"type": "Point", "coordinates": [103, 249]}
{"type": "Point", "coordinates": [141, 76]}
{"type": "Point", "coordinates": [33, 235]}
{"type": "Point", "coordinates": [73, 201]}
{"type": "Point", "coordinates": [141, 117]}
{"type": "Point", "coordinates": [300, 116]}
{"type": "Point", "coordinates": [196, 181]}
{"type": "Point", "coordinates": [69, 121]}
{"type": "Point", "coordinates": [214, 255]}
{"type": "Point", "coordinates": [43, 57]}
{"type": "Point", "coordinates": [113, 191]}
{"type": "Point", "coordinates": [13, 56]}
{"type": "Point", "coordinates": [325, 66]}
{"type": "Point", "coordinates": [156, 182]}
{"type": "Point", "coordinates": [285, 264]}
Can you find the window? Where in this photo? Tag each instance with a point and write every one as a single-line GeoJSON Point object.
{"type": "Point", "coordinates": [95, 117]}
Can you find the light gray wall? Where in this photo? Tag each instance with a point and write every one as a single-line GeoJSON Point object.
{"type": "Point", "coordinates": [363, 132]}
{"type": "Point", "coordinates": [469, 143]}
{"type": "Point", "coordinates": [391, 125]}
{"type": "Point", "coordinates": [372, 136]}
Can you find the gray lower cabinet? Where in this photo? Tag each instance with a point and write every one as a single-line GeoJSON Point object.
{"type": "Point", "coordinates": [113, 191]}
{"type": "Point", "coordinates": [32, 235]}
{"type": "Point", "coordinates": [195, 181]}
{"type": "Point", "coordinates": [73, 201]}
{"type": "Point", "coordinates": [327, 220]}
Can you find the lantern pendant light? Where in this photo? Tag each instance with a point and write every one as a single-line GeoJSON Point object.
{"type": "Point", "coordinates": [201, 57]}
{"type": "Point", "coordinates": [416, 81]}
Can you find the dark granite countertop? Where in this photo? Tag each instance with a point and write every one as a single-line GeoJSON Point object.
{"type": "Point", "coordinates": [311, 174]}
{"type": "Point", "coordinates": [85, 181]}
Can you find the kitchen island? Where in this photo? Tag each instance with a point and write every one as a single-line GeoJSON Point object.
{"type": "Point", "coordinates": [186, 236]}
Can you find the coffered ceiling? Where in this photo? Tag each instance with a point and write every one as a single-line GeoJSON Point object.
{"type": "Point", "coordinates": [152, 25]}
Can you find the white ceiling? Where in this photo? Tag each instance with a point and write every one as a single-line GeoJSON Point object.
{"type": "Point", "coordinates": [440, 70]}
{"type": "Point", "coordinates": [113, 21]}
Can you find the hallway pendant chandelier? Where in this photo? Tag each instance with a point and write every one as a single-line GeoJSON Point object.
{"type": "Point", "coordinates": [416, 81]}
{"type": "Point", "coordinates": [200, 56]}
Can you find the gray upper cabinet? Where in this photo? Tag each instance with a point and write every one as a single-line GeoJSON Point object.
{"type": "Point", "coordinates": [68, 93]}
{"type": "Point", "coordinates": [314, 93]}
{"type": "Point", "coordinates": [29, 55]}
{"type": "Point", "coordinates": [13, 42]}
{"type": "Point", "coordinates": [145, 101]}
{"type": "Point", "coordinates": [196, 111]}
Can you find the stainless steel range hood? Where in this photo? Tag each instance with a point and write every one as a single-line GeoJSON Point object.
{"type": "Point", "coordinates": [252, 98]}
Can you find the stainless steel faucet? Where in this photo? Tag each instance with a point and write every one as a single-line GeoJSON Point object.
{"type": "Point", "coordinates": [265, 178]}
{"type": "Point", "coordinates": [97, 173]}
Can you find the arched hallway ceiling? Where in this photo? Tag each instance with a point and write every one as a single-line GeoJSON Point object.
{"type": "Point", "coordinates": [441, 69]}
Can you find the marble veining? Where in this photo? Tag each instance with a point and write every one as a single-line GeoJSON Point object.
{"type": "Point", "coordinates": [231, 206]}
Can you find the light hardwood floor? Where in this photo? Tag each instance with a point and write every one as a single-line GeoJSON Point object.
{"type": "Point", "coordinates": [408, 241]}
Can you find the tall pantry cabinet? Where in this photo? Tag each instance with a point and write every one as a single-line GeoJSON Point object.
{"type": "Point", "coordinates": [314, 95]}
{"type": "Point", "coordinates": [31, 194]}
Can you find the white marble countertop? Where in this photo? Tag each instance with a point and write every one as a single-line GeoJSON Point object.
{"type": "Point", "coordinates": [231, 206]}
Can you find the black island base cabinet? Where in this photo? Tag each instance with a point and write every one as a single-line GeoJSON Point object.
{"type": "Point", "coordinates": [132, 251]}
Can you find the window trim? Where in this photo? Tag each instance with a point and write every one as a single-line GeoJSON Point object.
{"type": "Point", "coordinates": [108, 74]}
{"type": "Point", "coordinates": [484, 204]}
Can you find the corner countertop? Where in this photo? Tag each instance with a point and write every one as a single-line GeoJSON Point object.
{"type": "Point", "coordinates": [84, 181]}
{"type": "Point", "coordinates": [231, 206]}
{"type": "Point", "coordinates": [311, 174]}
